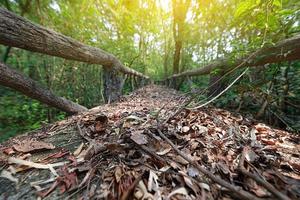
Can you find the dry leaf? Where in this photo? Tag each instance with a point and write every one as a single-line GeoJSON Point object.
{"type": "Point", "coordinates": [29, 145]}
{"type": "Point", "coordinates": [180, 190]}
{"type": "Point", "coordinates": [152, 182]}
{"type": "Point", "coordinates": [185, 129]}
{"type": "Point", "coordinates": [139, 138]}
{"type": "Point", "coordinates": [8, 151]}
{"type": "Point", "coordinates": [164, 152]}
{"type": "Point", "coordinates": [101, 123]}
{"type": "Point", "coordinates": [118, 174]}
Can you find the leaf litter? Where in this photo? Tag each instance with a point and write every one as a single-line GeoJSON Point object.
{"type": "Point", "coordinates": [138, 148]}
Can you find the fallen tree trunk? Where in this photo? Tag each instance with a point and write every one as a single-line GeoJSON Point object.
{"type": "Point", "coordinates": [15, 80]}
{"type": "Point", "coordinates": [286, 50]}
{"type": "Point", "coordinates": [16, 31]}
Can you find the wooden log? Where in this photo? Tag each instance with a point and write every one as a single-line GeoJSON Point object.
{"type": "Point", "coordinates": [286, 50]}
{"type": "Point", "coordinates": [16, 31]}
{"type": "Point", "coordinates": [15, 80]}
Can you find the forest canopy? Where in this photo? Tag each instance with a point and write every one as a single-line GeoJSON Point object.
{"type": "Point", "coordinates": [158, 38]}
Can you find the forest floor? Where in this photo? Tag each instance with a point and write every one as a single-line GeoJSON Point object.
{"type": "Point", "coordinates": [139, 148]}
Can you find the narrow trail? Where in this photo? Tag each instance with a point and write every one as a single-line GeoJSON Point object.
{"type": "Point", "coordinates": [115, 151]}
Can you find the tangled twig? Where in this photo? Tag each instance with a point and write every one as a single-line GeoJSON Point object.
{"type": "Point", "coordinates": [259, 180]}
{"type": "Point", "coordinates": [237, 190]}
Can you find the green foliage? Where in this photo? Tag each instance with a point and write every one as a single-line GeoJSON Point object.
{"type": "Point", "coordinates": [20, 114]}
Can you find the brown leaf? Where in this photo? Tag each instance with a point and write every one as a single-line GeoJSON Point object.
{"type": "Point", "coordinates": [139, 138]}
{"type": "Point", "coordinates": [101, 123]}
{"type": "Point", "coordinates": [9, 151]}
{"type": "Point", "coordinates": [67, 181]}
{"type": "Point", "coordinates": [164, 152]}
{"type": "Point", "coordinates": [254, 187]}
{"type": "Point", "coordinates": [29, 145]}
{"type": "Point", "coordinates": [59, 154]}
{"type": "Point", "coordinates": [262, 128]}
{"type": "Point", "coordinates": [268, 142]}
{"type": "Point", "coordinates": [118, 174]}
{"type": "Point", "coordinates": [180, 160]}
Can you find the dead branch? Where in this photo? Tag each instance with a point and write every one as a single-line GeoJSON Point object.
{"type": "Point", "coordinates": [237, 190]}
{"type": "Point", "coordinates": [147, 150]}
{"type": "Point", "coordinates": [259, 180]}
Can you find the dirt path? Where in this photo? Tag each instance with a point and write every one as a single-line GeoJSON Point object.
{"type": "Point", "coordinates": [115, 152]}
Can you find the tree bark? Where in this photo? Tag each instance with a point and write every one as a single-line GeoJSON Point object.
{"type": "Point", "coordinates": [180, 8]}
{"type": "Point", "coordinates": [113, 84]}
{"type": "Point", "coordinates": [18, 32]}
{"type": "Point", "coordinates": [286, 50]}
{"type": "Point", "coordinates": [15, 80]}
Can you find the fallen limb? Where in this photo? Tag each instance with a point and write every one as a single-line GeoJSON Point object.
{"type": "Point", "coordinates": [286, 50]}
{"type": "Point", "coordinates": [147, 150]}
{"type": "Point", "coordinates": [16, 80]}
{"type": "Point", "coordinates": [16, 31]}
{"type": "Point", "coordinates": [237, 190]}
{"type": "Point", "coordinates": [259, 180]}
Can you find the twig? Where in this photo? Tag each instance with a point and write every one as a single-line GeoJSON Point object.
{"type": "Point", "coordinates": [259, 180]}
{"type": "Point", "coordinates": [179, 110]}
{"type": "Point", "coordinates": [229, 86]}
{"type": "Point", "coordinates": [237, 190]}
{"type": "Point", "coordinates": [147, 150]}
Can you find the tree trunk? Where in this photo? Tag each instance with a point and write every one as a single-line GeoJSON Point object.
{"type": "Point", "coordinates": [132, 83]}
{"type": "Point", "coordinates": [18, 32]}
{"type": "Point", "coordinates": [113, 84]}
{"type": "Point", "coordinates": [180, 8]}
{"type": "Point", "coordinates": [15, 80]}
{"type": "Point", "coordinates": [178, 46]}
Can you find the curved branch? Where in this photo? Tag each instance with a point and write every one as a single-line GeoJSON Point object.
{"type": "Point", "coordinates": [18, 32]}
{"type": "Point", "coordinates": [286, 50]}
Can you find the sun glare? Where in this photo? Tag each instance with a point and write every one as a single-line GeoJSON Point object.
{"type": "Point", "coordinates": [164, 4]}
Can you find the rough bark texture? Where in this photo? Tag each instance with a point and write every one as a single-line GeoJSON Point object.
{"type": "Point", "coordinates": [180, 8]}
{"type": "Point", "coordinates": [286, 50]}
{"type": "Point", "coordinates": [113, 84]}
{"type": "Point", "coordinates": [15, 80]}
{"type": "Point", "coordinates": [18, 32]}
